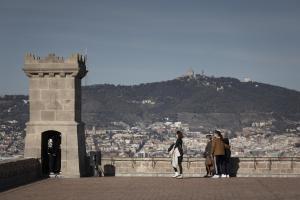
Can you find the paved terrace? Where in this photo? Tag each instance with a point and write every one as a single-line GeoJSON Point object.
{"type": "Point", "coordinates": [162, 188]}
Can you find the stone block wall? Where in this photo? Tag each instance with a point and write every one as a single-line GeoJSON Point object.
{"type": "Point", "coordinates": [194, 167]}
{"type": "Point", "coordinates": [18, 172]}
{"type": "Point", "coordinates": [52, 98]}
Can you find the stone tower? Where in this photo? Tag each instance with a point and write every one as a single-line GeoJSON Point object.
{"type": "Point", "coordinates": [55, 111]}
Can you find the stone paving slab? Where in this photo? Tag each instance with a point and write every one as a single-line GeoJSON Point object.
{"type": "Point", "coordinates": [144, 188]}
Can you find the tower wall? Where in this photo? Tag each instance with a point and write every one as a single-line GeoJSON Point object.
{"type": "Point", "coordinates": [55, 105]}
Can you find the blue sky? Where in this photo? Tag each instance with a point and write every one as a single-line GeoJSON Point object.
{"type": "Point", "coordinates": [130, 42]}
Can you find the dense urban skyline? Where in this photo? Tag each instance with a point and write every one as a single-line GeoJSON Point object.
{"type": "Point", "coordinates": [131, 42]}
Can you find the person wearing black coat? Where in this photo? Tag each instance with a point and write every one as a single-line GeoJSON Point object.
{"type": "Point", "coordinates": [209, 163]}
{"type": "Point", "coordinates": [226, 157]}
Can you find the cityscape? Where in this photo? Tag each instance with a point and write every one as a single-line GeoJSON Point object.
{"type": "Point", "coordinates": [153, 140]}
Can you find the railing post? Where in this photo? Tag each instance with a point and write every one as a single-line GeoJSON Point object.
{"type": "Point", "coordinates": [188, 164]}
{"type": "Point", "coordinates": [133, 162]}
{"type": "Point", "coordinates": [270, 164]}
{"type": "Point", "coordinates": [153, 163]}
{"type": "Point", "coordinates": [112, 161]}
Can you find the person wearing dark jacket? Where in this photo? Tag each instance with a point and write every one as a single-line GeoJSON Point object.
{"type": "Point", "coordinates": [227, 157]}
{"type": "Point", "coordinates": [208, 157]}
{"type": "Point", "coordinates": [177, 155]}
{"type": "Point", "coordinates": [51, 156]}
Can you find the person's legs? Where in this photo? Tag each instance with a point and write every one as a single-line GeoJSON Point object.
{"type": "Point", "coordinates": [54, 167]}
{"type": "Point", "coordinates": [180, 158]}
{"type": "Point", "coordinates": [209, 167]}
{"type": "Point", "coordinates": [207, 170]}
{"type": "Point", "coordinates": [226, 166]}
{"type": "Point", "coordinates": [51, 164]}
{"type": "Point", "coordinates": [211, 170]}
{"type": "Point", "coordinates": [222, 165]}
{"type": "Point", "coordinates": [180, 167]}
{"type": "Point", "coordinates": [208, 162]}
{"type": "Point", "coordinates": [215, 165]}
{"type": "Point", "coordinates": [176, 172]}
{"type": "Point", "coordinates": [219, 164]}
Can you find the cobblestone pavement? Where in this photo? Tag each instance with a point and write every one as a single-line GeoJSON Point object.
{"type": "Point", "coordinates": [144, 188]}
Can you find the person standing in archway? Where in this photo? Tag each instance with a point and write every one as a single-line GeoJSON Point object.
{"type": "Point", "coordinates": [53, 150]}
{"type": "Point", "coordinates": [51, 155]}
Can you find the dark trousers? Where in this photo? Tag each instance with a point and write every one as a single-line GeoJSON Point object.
{"type": "Point", "coordinates": [220, 164]}
{"type": "Point", "coordinates": [180, 158]}
{"type": "Point", "coordinates": [226, 166]}
{"type": "Point", "coordinates": [52, 163]}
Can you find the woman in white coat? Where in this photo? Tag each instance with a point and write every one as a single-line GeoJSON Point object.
{"type": "Point", "coordinates": [176, 153]}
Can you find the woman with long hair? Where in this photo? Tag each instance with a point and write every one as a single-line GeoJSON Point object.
{"type": "Point", "coordinates": [177, 155]}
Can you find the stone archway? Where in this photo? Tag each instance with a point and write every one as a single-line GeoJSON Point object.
{"type": "Point", "coordinates": [51, 152]}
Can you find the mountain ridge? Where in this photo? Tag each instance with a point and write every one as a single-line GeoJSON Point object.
{"type": "Point", "coordinates": [199, 100]}
{"type": "Point", "coordinates": [198, 94]}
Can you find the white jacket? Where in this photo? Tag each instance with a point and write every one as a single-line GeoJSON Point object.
{"type": "Point", "coordinates": [174, 156]}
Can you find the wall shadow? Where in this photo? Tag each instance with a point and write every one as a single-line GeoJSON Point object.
{"type": "Point", "coordinates": [16, 173]}
{"type": "Point", "coordinates": [109, 170]}
{"type": "Point", "coordinates": [234, 166]}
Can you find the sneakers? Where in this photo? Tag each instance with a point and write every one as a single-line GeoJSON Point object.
{"type": "Point", "coordinates": [216, 176]}
{"type": "Point", "coordinates": [180, 176]}
{"type": "Point", "coordinates": [175, 175]}
{"type": "Point", "coordinates": [220, 176]}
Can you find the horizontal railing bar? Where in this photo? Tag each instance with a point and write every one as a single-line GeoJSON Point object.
{"type": "Point", "coordinates": [194, 159]}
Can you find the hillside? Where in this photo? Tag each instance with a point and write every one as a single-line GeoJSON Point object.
{"type": "Point", "coordinates": [198, 100]}
{"type": "Point", "coordinates": [202, 101]}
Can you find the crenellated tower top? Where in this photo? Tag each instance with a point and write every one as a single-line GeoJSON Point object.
{"type": "Point", "coordinates": [52, 65]}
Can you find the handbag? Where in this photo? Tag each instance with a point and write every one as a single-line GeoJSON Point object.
{"type": "Point", "coordinates": [208, 161]}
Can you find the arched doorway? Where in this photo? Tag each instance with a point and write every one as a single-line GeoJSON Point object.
{"type": "Point", "coordinates": [51, 152]}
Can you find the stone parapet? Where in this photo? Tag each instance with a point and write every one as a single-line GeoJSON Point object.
{"type": "Point", "coordinates": [18, 172]}
{"type": "Point", "coordinates": [195, 167]}
{"type": "Point", "coordinates": [55, 66]}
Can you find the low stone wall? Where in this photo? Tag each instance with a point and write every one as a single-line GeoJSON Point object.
{"type": "Point", "coordinates": [194, 167]}
{"type": "Point", "coordinates": [18, 172]}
